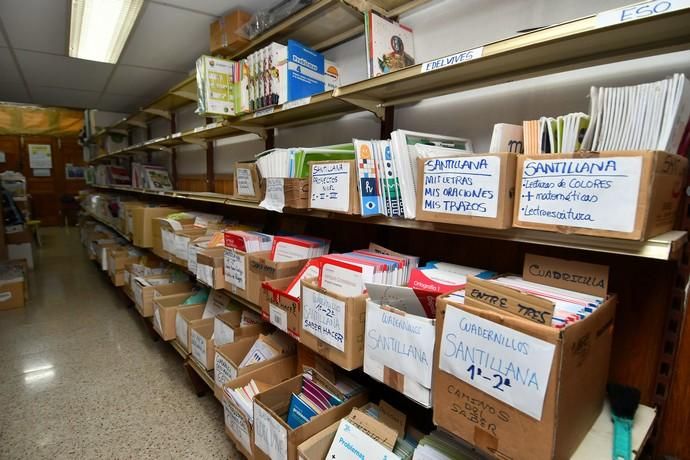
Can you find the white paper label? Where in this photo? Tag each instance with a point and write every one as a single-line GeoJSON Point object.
{"type": "Point", "coordinates": [599, 193]}
{"type": "Point", "coordinates": [330, 186]}
{"type": "Point", "coordinates": [296, 103]}
{"type": "Point", "coordinates": [234, 269]}
{"type": "Point", "coordinates": [181, 330]}
{"type": "Point", "coordinates": [199, 347]}
{"type": "Point", "coordinates": [205, 274]}
{"type": "Point", "coordinates": [275, 194]}
{"type": "Point", "coordinates": [222, 333]}
{"type": "Point", "coordinates": [168, 239]}
{"type": "Point", "coordinates": [263, 112]}
{"type": "Point", "coordinates": [245, 186]}
{"type": "Point", "coordinates": [504, 363]}
{"type": "Point", "coordinates": [402, 343]}
{"type": "Point", "coordinates": [181, 243]}
{"type": "Point", "coordinates": [269, 435]}
{"type": "Point", "coordinates": [462, 185]}
{"type": "Point", "coordinates": [324, 317]}
{"type": "Point", "coordinates": [138, 291]}
{"type": "Point", "coordinates": [157, 320]}
{"type": "Point", "coordinates": [223, 371]}
{"type": "Point", "coordinates": [237, 425]}
{"type": "Point", "coordinates": [277, 317]}
{"type": "Point", "coordinates": [639, 11]}
{"type": "Point", "coordinates": [192, 250]}
{"type": "Point", "coordinates": [453, 59]}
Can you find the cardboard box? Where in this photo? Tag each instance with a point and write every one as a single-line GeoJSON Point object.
{"type": "Point", "coordinates": [201, 340]}
{"type": "Point", "coordinates": [149, 287]}
{"type": "Point", "coordinates": [22, 236]}
{"type": "Point", "coordinates": [183, 239]}
{"type": "Point", "coordinates": [23, 251]}
{"type": "Point", "coordinates": [127, 216]}
{"type": "Point", "coordinates": [333, 186]}
{"type": "Point", "coordinates": [280, 308]}
{"type": "Point", "coordinates": [632, 195]}
{"type": "Point", "coordinates": [196, 245]}
{"type": "Point", "coordinates": [165, 313]}
{"type": "Point", "coordinates": [474, 189]}
{"type": "Point", "coordinates": [502, 381]}
{"type": "Point", "coordinates": [183, 323]}
{"type": "Point", "coordinates": [273, 438]}
{"type": "Point", "coordinates": [248, 184]}
{"type": "Point", "coordinates": [237, 425]}
{"type": "Point", "coordinates": [227, 329]}
{"type": "Point", "coordinates": [117, 260]}
{"type": "Point", "coordinates": [142, 223]}
{"type": "Point", "coordinates": [245, 272]}
{"type": "Point", "coordinates": [229, 357]}
{"type": "Point", "coordinates": [295, 192]}
{"type": "Point", "coordinates": [399, 350]}
{"type": "Point", "coordinates": [12, 293]}
{"type": "Point", "coordinates": [168, 230]}
{"type": "Point", "coordinates": [338, 336]}
{"type": "Point", "coordinates": [209, 267]}
{"type": "Point", "coordinates": [317, 447]}
{"type": "Point", "coordinates": [224, 36]}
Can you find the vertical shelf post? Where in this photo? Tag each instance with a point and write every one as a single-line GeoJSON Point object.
{"type": "Point", "coordinates": [173, 151]}
{"type": "Point", "coordinates": [388, 123]}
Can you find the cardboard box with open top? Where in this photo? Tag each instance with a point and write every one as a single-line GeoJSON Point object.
{"type": "Point", "coordinates": [227, 327]}
{"type": "Point", "coordinates": [149, 287]}
{"type": "Point", "coordinates": [472, 189]}
{"type": "Point", "coordinates": [248, 184]}
{"type": "Point", "coordinates": [632, 194]}
{"type": "Point", "coordinates": [142, 223]}
{"type": "Point", "coordinates": [280, 308]}
{"type": "Point", "coordinates": [209, 267]}
{"type": "Point", "coordinates": [514, 387]}
{"type": "Point", "coordinates": [165, 312]}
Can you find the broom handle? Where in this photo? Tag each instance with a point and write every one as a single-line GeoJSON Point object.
{"type": "Point", "coordinates": [622, 438]}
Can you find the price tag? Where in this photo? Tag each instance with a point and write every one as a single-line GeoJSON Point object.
{"type": "Point", "coordinates": [453, 59]}
{"type": "Point", "coordinates": [264, 112]}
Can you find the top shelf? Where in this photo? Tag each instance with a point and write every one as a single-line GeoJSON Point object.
{"type": "Point", "coordinates": [567, 46]}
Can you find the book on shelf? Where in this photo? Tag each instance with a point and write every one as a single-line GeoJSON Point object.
{"type": "Point", "coordinates": [390, 45]}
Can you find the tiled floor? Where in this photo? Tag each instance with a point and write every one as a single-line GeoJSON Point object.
{"type": "Point", "coordinates": [80, 377]}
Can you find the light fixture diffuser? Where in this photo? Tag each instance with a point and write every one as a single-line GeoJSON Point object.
{"type": "Point", "coordinates": [99, 28]}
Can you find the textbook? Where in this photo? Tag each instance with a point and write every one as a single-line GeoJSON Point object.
{"type": "Point", "coordinates": [389, 45]}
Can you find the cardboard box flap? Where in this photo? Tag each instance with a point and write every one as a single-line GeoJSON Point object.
{"type": "Point", "coordinates": [571, 275]}
{"type": "Point", "coordinates": [479, 293]}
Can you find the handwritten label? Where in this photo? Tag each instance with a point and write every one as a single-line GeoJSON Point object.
{"type": "Point", "coordinates": [235, 269]}
{"type": "Point", "coordinates": [330, 186]}
{"type": "Point", "coordinates": [181, 243]}
{"type": "Point", "coordinates": [181, 330]}
{"type": "Point", "coordinates": [324, 317]}
{"type": "Point", "coordinates": [275, 194]}
{"type": "Point", "coordinates": [402, 343]}
{"type": "Point", "coordinates": [199, 347]}
{"type": "Point", "coordinates": [204, 273]}
{"type": "Point", "coordinates": [598, 193]}
{"type": "Point", "coordinates": [269, 435]}
{"type": "Point", "coordinates": [168, 240]}
{"type": "Point", "coordinates": [245, 185]}
{"type": "Point", "coordinates": [223, 371]}
{"type": "Point", "coordinates": [237, 424]}
{"type": "Point", "coordinates": [484, 413]}
{"type": "Point", "coordinates": [453, 59]}
{"type": "Point", "coordinates": [296, 103]}
{"type": "Point", "coordinates": [465, 185]}
{"type": "Point", "coordinates": [507, 364]}
{"type": "Point", "coordinates": [639, 11]}
{"type": "Point", "coordinates": [277, 317]}
{"type": "Point", "coordinates": [264, 112]}
{"type": "Point", "coordinates": [222, 333]}
{"type": "Point", "coordinates": [192, 251]}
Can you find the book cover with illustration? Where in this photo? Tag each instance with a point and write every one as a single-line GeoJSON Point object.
{"type": "Point", "coordinates": [389, 45]}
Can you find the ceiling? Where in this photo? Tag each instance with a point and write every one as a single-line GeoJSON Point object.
{"type": "Point", "coordinates": [161, 51]}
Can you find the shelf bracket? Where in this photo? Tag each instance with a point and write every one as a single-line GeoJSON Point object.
{"type": "Point", "coordinates": [138, 124]}
{"type": "Point", "coordinates": [372, 105]}
{"type": "Point", "coordinates": [118, 131]}
{"type": "Point", "coordinates": [192, 96]}
{"type": "Point", "coordinates": [194, 140]}
{"type": "Point", "coordinates": [159, 113]}
{"type": "Point", "coordinates": [259, 131]}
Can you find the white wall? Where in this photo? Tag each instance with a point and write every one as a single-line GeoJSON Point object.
{"type": "Point", "coordinates": [444, 27]}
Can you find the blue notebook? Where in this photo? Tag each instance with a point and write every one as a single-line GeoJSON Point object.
{"type": "Point", "coordinates": [299, 412]}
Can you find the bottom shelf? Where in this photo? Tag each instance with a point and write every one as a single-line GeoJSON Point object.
{"type": "Point", "coordinates": [599, 441]}
{"type": "Point", "coordinates": [205, 375]}
{"type": "Point", "coordinates": [179, 348]}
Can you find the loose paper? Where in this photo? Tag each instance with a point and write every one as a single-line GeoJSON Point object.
{"type": "Point", "coordinates": [275, 194]}
{"type": "Point", "coordinates": [234, 269]}
{"type": "Point", "coordinates": [245, 186]}
{"type": "Point", "coordinates": [269, 435]}
{"type": "Point", "coordinates": [199, 346]}
{"type": "Point", "coordinates": [465, 185]}
{"type": "Point", "coordinates": [40, 156]}
{"type": "Point", "coordinates": [222, 333]}
{"type": "Point", "coordinates": [402, 343]}
{"type": "Point", "coordinates": [277, 317]}
{"type": "Point", "coordinates": [639, 11]}
{"type": "Point", "coordinates": [453, 59]}
{"type": "Point", "coordinates": [599, 193]}
{"type": "Point", "coordinates": [223, 371]}
{"type": "Point", "coordinates": [330, 186]}
{"type": "Point", "coordinates": [324, 317]}
{"type": "Point", "coordinates": [504, 363]}
{"type": "Point", "coordinates": [237, 424]}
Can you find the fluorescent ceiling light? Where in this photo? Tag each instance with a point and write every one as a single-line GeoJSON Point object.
{"type": "Point", "coordinates": [99, 28]}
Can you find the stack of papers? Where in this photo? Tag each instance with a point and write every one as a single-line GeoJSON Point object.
{"type": "Point", "coordinates": [387, 170]}
{"type": "Point", "coordinates": [294, 162]}
{"type": "Point", "coordinates": [570, 306]}
{"type": "Point", "coordinates": [562, 134]}
{"type": "Point", "coordinates": [248, 241]}
{"type": "Point", "coordinates": [244, 396]}
{"type": "Point", "coordinates": [268, 347]}
{"type": "Point", "coordinates": [650, 116]}
{"type": "Point", "coordinates": [287, 248]}
{"type": "Point", "coordinates": [439, 445]}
